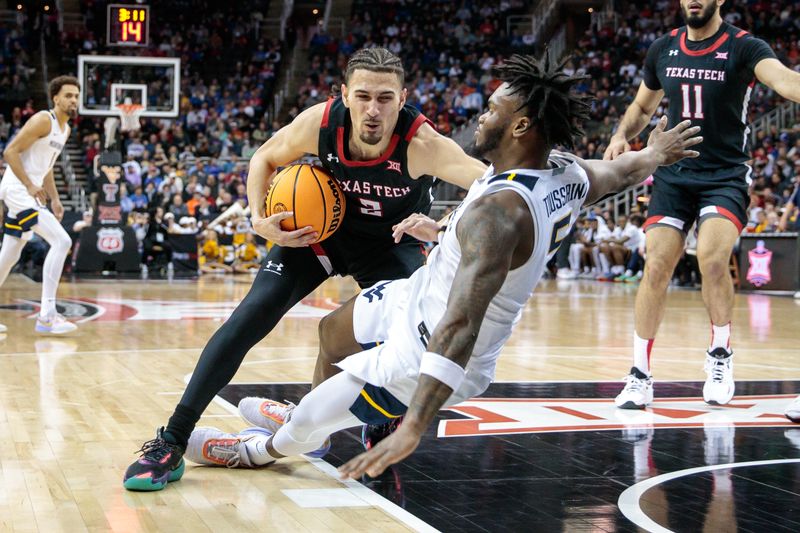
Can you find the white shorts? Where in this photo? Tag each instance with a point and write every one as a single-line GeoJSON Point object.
{"type": "Point", "coordinates": [16, 198]}
{"type": "Point", "coordinates": [382, 312]}
{"type": "Point", "coordinates": [374, 308]}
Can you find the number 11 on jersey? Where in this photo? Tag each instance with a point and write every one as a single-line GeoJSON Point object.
{"type": "Point", "coordinates": [686, 110]}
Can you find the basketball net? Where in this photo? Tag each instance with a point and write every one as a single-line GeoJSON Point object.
{"type": "Point", "coordinates": [129, 117]}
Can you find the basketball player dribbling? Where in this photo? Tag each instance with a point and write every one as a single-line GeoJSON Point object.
{"type": "Point", "coordinates": [445, 326]}
{"type": "Point", "coordinates": [707, 69]}
{"type": "Point", "coordinates": [383, 154]}
{"type": "Point", "coordinates": [27, 184]}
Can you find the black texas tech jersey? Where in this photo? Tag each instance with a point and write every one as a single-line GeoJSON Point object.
{"type": "Point", "coordinates": [380, 193]}
{"type": "Point", "coordinates": [709, 82]}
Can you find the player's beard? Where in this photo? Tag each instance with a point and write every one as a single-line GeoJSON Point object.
{"type": "Point", "coordinates": [698, 21]}
{"type": "Point", "coordinates": [371, 137]}
{"type": "Point", "coordinates": [490, 142]}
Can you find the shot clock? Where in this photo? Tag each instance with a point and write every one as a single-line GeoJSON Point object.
{"type": "Point", "coordinates": [128, 25]}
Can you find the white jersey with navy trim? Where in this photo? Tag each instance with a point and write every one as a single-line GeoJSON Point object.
{"type": "Point", "coordinates": [554, 197]}
{"type": "Point", "coordinates": [40, 156]}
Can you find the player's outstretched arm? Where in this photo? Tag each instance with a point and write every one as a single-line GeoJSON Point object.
{"type": "Point", "coordinates": [779, 78]}
{"type": "Point", "coordinates": [634, 121]}
{"type": "Point", "coordinates": [630, 168]}
{"type": "Point", "coordinates": [290, 143]}
{"type": "Point", "coordinates": [496, 234]}
{"type": "Point", "coordinates": [436, 155]}
{"type": "Point", "coordinates": [36, 128]}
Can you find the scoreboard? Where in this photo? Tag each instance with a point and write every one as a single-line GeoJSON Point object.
{"type": "Point", "coordinates": [128, 25]}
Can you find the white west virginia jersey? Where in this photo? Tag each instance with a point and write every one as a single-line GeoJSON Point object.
{"type": "Point", "coordinates": [404, 312]}
{"type": "Point", "coordinates": [37, 161]}
{"type": "Point", "coordinates": [554, 197]}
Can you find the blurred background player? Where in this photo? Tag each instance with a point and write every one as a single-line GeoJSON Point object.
{"type": "Point", "coordinates": [706, 69]}
{"type": "Point", "coordinates": [27, 184]}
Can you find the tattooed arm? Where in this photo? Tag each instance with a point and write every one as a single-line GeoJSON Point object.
{"type": "Point", "coordinates": [496, 235]}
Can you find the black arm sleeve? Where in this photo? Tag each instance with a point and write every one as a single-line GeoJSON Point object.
{"type": "Point", "coordinates": [650, 65]}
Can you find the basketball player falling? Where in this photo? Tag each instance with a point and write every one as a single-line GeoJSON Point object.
{"type": "Point", "coordinates": [27, 184]}
{"type": "Point", "coordinates": [445, 326]}
{"type": "Point", "coordinates": [707, 69]}
{"type": "Point", "coordinates": [383, 153]}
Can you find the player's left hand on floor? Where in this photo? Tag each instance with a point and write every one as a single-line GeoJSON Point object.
{"type": "Point", "coordinates": [389, 451]}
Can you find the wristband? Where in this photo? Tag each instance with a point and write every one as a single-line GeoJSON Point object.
{"type": "Point", "coordinates": [443, 369]}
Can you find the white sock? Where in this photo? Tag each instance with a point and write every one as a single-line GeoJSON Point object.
{"type": "Point", "coordinates": [641, 353]}
{"type": "Point", "coordinates": [629, 273]}
{"type": "Point", "coordinates": [720, 337]}
{"type": "Point", "coordinates": [256, 449]}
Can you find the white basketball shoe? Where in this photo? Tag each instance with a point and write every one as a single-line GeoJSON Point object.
{"type": "Point", "coordinates": [272, 415]}
{"type": "Point", "coordinates": [213, 447]}
{"type": "Point", "coordinates": [792, 411]}
{"type": "Point", "coordinates": [719, 386]}
{"type": "Point", "coordinates": [54, 324]}
{"type": "Point", "coordinates": [638, 391]}
{"type": "Point", "coordinates": [264, 413]}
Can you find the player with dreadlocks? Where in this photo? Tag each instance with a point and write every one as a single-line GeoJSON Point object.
{"type": "Point", "coordinates": [383, 153]}
{"type": "Point", "coordinates": [444, 327]}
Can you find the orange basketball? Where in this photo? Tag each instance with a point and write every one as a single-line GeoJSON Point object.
{"type": "Point", "coordinates": [312, 195]}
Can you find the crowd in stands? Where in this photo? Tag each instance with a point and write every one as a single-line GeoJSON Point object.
{"type": "Point", "coordinates": [447, 48]}
{"type": "Point", "coordinates": [229, 64]}
{"type": "Point", "coordinates": [16, 69]}
{"type": "Point", "coordinates": [195, 167]}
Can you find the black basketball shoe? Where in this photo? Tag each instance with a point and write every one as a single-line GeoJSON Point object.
{"type": "Point", "coordinates": [372, 435]}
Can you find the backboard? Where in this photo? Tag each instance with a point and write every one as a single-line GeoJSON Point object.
{"type": "Point", "coordinates": [106, 81]}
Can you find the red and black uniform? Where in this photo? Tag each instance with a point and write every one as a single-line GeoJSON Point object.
{"type": "Point", "coordinates": [709, 82]}
{"type": "Point", "coordinates": [380, 193]}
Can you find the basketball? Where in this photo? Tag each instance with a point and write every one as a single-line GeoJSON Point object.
{"type": "Point", "coordinates": [312, 195]}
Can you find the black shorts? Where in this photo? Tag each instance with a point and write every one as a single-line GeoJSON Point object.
{"type": "Point", "coordinates": [370, 261]}
{"type": "Point", "coordinates": [680, 197]}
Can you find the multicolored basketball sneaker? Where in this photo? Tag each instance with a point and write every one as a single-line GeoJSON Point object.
{"type": "Point", "coordinates": [372, 435]}
{"type": "Point", "coordinates": [160, 463]}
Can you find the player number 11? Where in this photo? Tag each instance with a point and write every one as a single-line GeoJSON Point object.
{"type": "Point", "coordinates": [698, 101]}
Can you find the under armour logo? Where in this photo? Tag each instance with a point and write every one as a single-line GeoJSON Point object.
{"type": "Point", "coordinates": [275, 268]}
{"type": "Point", "coordinates": [394, 165]}
{"type": "Point", "coordinates": [332, 158]}
{"type": "Point", "coordinates": [673, 52]}
{"type": "Point", "coordinates": [721, 55]}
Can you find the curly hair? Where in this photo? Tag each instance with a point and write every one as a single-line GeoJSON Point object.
{"type": "Point", "coordinates": [55, 85]}
{"type": "Point", "coordinates": [548, 96]}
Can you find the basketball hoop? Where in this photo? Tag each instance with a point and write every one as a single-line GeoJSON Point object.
{"type": "Point", "coordinates": [129, 117]}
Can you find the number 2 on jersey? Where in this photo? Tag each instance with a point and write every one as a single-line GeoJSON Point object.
{"type": "Point", "coordinates": [371, 207]}
{"type": "Point", "coordinates": [686, 110]}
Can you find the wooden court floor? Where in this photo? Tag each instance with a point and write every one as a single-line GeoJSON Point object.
{"type": "Point", "coordinates": [74, 409]}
